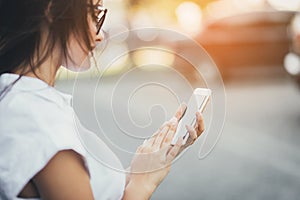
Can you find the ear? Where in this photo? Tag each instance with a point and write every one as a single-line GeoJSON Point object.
{"type": "Point", "coordinates": [48, 13]}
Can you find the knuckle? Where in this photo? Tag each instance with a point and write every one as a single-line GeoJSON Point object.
{"type": "Point", "coordinates": [173, 127]}
{"type": "Point", "coordinates": [161, 135]}
{"type": "Point", "coordinates": [193, 136]}
{"type": "Point", "coordinates": [140, 149]}
{"type": "Point", "coordinates": [178, 145]}
{"type": "Point", "coordinates": [172, 153]}
{"type": "Point", "coordinates": [168, 139]}
{"type": "Point", "coordinates": [147, 150]}
{"type": "Point", "coordinates": [159, 138]}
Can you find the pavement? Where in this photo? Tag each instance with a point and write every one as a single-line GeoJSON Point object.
{"type": "Point", "coordinates": [258, 153]}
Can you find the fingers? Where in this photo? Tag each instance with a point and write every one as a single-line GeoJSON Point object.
{"type": "Point", "coordinates": [159, 129]}
{"type": "Point", "coordinates": [161, 136]}
{"type": "Point", "coordinates": [171, 133]}
{"type": "Point", "coordinates": [174, 150]}
{"type": "Point", "coordinates": [151, 140]}
{"type": "Point", "coordinates": [192, 134]}
{"type": "Point", "coordinates": [180, 111]}
{"type": "Point", "coordinates": [200, 123]}
{"type": "Point", "coordinates": [195, 132]}
{"type": "Point", "coordinates": [167, 133]}
{"type": "Point", "coordinates": [165, 136]}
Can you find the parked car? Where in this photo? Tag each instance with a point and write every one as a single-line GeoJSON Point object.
{"type": "Point", "coordinates": [248, 39]}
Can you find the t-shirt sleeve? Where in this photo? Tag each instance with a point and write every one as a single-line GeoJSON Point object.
{"type": "Point", "coordinates": [29, 139]}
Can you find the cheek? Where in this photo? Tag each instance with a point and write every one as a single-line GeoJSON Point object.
{"type": "Point", "coordinates": [79, 59]}
{"type": "Point", "coordinates": [93, 30]}
{"type": "Point", "coordinates": [77, 53]}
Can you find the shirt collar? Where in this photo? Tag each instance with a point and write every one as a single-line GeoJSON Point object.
{"type": "Point", "coordinates": [31, 84]}
{"type": "Point", "coordinates": [25, 83]}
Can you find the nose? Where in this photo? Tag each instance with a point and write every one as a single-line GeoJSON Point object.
{"type": "Point", "coordinates": [99, 37]}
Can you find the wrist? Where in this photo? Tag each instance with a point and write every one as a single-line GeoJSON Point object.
{"type": "Point", "coordinates": [146, 186]}
{"type": "Point", "coordinates": [141, 190]}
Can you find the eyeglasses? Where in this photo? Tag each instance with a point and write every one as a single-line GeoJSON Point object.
{"type": "Point", "coordinates": [100, 18]}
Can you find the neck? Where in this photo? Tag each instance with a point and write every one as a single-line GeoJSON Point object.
{"type": "Point", "coordinates": [46, 72]}
{"type": "Point", "coordinates": [48, 69]}
{"type": "Point", "coordinates": [46, 75]}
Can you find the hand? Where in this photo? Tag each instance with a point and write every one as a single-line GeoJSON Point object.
{"type": "Point", "coordinates": [153, 158]}
{"type": "Point", "coordinates": [194, 132]}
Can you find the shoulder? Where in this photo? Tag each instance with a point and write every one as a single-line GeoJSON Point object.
{"type": "Point", "coordinates": [43, 112]}
{"type": "Point", "coordinates": [28, 103]}
{"type": "Point", "coordinates": [39, 115]}
{"type": "Point", "coordinates": [34, 127]}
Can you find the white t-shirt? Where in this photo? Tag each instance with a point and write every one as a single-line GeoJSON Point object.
{"type": "Point", "coordinates": [36, 122]}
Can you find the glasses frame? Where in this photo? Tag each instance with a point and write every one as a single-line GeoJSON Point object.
{"type": "Point", "coordinates": [100, 18]}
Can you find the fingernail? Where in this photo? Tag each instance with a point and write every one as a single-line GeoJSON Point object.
{"type": "Point", "coordinates": [183, 105]}
{"type": "Point", "coordinates": [188, 127]}
{"type": "Point", "coordinates": [199, 114]}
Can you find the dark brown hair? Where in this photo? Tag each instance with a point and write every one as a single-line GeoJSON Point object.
{"type": "Point", "coordinates": [21, 24]}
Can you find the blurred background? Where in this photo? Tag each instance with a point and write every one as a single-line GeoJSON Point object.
{"type": "Point", "coordinates": [246, 51]}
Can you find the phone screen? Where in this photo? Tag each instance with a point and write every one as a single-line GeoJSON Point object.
{"type": "Point", "coordinates": [196, 103]}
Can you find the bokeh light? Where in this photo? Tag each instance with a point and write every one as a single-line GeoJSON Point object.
{"type": "Point", "coordinates": [292, 64]}
{"type": "Point", "coordinates": [153, 57]}
{"type": "Point", "coordinates": [189, 17]}
{"type": "Point", "coordinates": [293, 5]}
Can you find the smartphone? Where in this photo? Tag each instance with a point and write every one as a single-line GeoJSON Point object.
{"type": "Point", "coordinates": [197, 102]}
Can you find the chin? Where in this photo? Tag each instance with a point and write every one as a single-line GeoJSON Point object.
{"type": "Point", "coordinates": [75, 66]}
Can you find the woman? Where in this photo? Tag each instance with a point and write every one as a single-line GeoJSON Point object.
{"type": "Point", "coordinates": [42, 156]}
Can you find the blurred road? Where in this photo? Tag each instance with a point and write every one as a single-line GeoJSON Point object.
{"type": "Point", "coordinates": [257, 156]}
